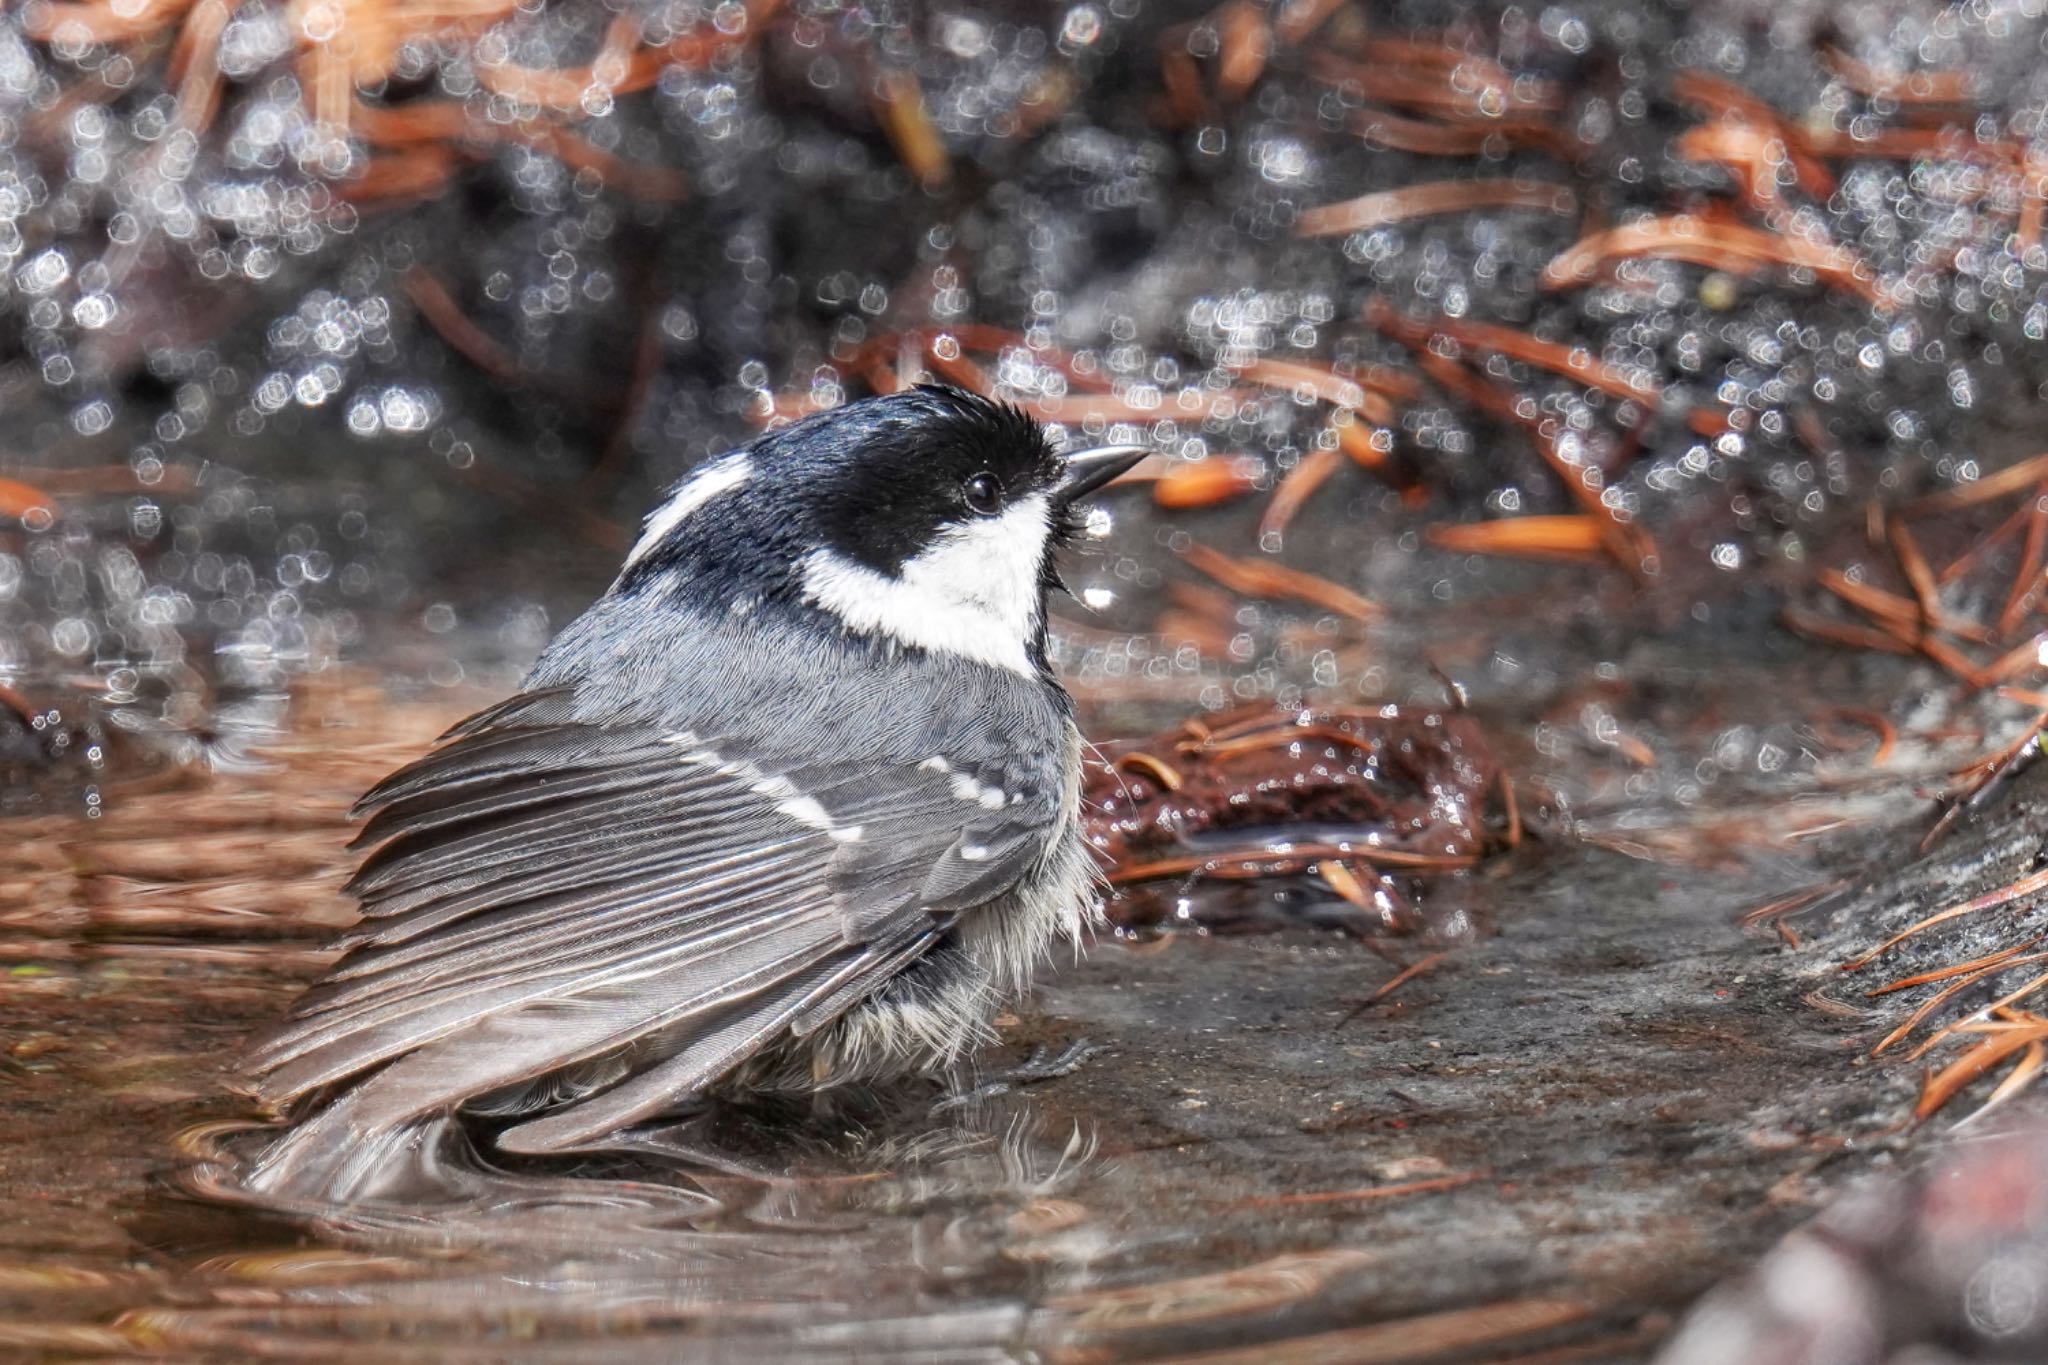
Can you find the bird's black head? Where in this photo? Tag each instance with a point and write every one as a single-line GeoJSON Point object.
{"type": "Point", "coordinates": [927, 518]}
{"type": "Point", "coordinates": [888, 477]}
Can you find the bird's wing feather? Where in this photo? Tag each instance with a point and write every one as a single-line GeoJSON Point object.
{"type": "Point", "coordinates": [548, 891]}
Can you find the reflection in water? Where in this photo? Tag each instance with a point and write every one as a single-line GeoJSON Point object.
{"type": "Point", "coordinates": [885, 1239]}
{"type": "Point", "coordinates": [957, 1244]}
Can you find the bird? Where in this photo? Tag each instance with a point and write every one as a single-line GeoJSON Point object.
{"type": "Point", "coordinates": [794, 803]}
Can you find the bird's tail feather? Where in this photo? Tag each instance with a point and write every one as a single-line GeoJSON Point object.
{"type": "Point", "coordinates": [336, 1157]}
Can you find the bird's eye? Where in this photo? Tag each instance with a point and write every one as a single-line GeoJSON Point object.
{"type": "Point", "coordinates": [985, 494]}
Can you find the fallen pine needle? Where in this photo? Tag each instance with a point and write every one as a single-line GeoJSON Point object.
{"type": "Point", "coordinates": [1575, 538]}
{"type": "Point", "coordinates": [20, 501]}
{"type": "Point", "coordinates": [2025, 886]}
{"type": "Point", "coordinates": [1734, 247]}
{"type": "Point", "coordinates": [1255, 578]}
{"type": "Point", "coordinates": [1943, 1085]}
{"type": "Point", "coordinates": [1406, 975]}
{"type": "Point", "coordinates": [1296, 488]}
{"type": "Point", "coordinates": [1422, 201]}
{"type": "Point", "coordinates": [1204, 483]}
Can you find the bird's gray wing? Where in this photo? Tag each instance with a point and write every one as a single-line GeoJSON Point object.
{"type": "Point", "coordinates": [650, 905]}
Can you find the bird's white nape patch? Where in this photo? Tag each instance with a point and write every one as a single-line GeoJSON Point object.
{"type": "Point", "coordinates": [720, 476]}
{"type": "Point", "coordinates": [973, 593]}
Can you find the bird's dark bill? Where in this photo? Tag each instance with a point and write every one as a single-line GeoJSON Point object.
{"type": "Point", "coordinates": [1088, 470]}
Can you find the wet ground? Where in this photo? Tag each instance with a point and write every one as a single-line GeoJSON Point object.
{"type": "Point", "coordinates": [1541, 1145]}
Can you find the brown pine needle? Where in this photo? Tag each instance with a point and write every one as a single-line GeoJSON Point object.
{"type": "Point", "coordinates": [1732, 247]}
{"type": "Point", "coordinates": [1428, 200]}
{"type": "Point", "coordinates": [21, 502]}
{"type": "Point", "coordinates": [900, 104]}
{"type": "Point", "coordinates": [1943, 1085]}
{"type": "Point", "coordinates": [1733, 105]}
{"type": "Point", "coordinates": [1975, 1022]}
{"type": "Point", "coordinates": [1205, 483]}
{"type": "Point", "coordinates": [1297, 488]}
{"type": "Point", "coordinates": [1887, 733]}
{"type": "Point", "coordinates": [1294, 375]}
{"type": "Point", "coordinates": [2011, 479]}
{"type": "Point", "coordinates": [1339, 877]}
{"type": "Point", "coordinates": [1921, 1015]}
{"type": "Point", "coordinates": [1955, 661]}
{"type": "Point", "coordinates": [656, 184]}
{"type": "Point", "coordinates": [99, 24]}
{"type": "Point", "coordinates": [1258, 578]}
{"type": "Point", "coordinates": [950, 363]}
{"type": "Point", "coordinates": [2027, 583]}
{"type": "Point", "coordinates": [1244, 42]}
{"type": "Point", "coordinates": [1444, 81]}
{"type": "Point", "coordinates": [1984, 767]}
{"type": "Point", "coordinates": [1370, 447]}
{"type": "Point", "coordinates": [2002, 958]}
{"type": "Point", "coordinates": [1225, 746]}
{"type": "Point", "coordinates": [1453, 377]}
{"type": "Point", "coordinates": [1406, 975]}
{"type": "Point", "coordinates": [1573, 362]}
{"type": "Point", "coordinates": [1887, 607]}
{"type": "Point", "coordinates": [1259, 862]}
{"type": "Point", "coordinates": [2005, 895]}
{"type": "Point", "coordinates": [2033, 202]}
{"type": "Point", "coordinates": [1627, 542]}
{"type": "Point", "coordinates": [1158, 769]}
{"type": "Point", "coordinates": [453, 326]}
{"type": "Point", "coordinates": [194, 67]}
{"type": "Point", "coordinates": [2016, 1080]}
{"type": "Point", "coordinates": [1185, 102]}
{"type": "Point", "coordinates": [1752, 152]}
{"type": "Point", "coordinates": [1792, 904]}
{"type": "Point", "coordinates": [1422, 136]}
{"type": "Point", "coordinates": [1577, 539]}
{"type": "Point", "coordinates": [1916, 568]}
{"type": "Point", "coordinates": [1842, 632]}
{"type": "Point", "coordinates": [2017, 660]}
{"type": "Point", "coordinates": [416, 122]}
{"type": "Point", "coordinates": [1968, 560]}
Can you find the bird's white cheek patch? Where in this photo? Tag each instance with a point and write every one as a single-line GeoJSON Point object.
{"type": "Point", "coordinates": [720, 476]}
{"type": "Point", "coordinates": [974, 593]}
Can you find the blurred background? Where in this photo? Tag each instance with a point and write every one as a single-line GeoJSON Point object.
{"type": "Point", "coordinates": [1598, 464]}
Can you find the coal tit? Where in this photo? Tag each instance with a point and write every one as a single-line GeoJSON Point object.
{"type": "Point", "coordinates": [794, 803]}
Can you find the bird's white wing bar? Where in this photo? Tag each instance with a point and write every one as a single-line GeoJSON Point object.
{"type": "Point", "coordinates": [973, 594]}
{"type": "Point", "coordinates": [797, 805]}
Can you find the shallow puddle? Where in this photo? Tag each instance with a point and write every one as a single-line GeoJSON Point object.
{"type": "Point", "coordinates": [1548, 1135]}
